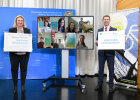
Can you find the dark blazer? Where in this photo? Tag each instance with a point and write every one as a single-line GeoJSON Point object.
{"type": "Point", "coordinates": [14, 30]}
{"type": "Point", "coordinates": [101, 52]}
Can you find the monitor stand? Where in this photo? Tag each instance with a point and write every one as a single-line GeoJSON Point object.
{"type": "Point", "coordinates": [64, 73]}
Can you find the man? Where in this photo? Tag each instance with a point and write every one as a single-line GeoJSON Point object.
{"type": "Point", "coordinates": [104, 55]}
{"type": "Point", "coordinates": [41, 43]}
{"type": "Point", "coordinates": [53, 44]}
{"type": "Point", "coordinates": [60, 44]}
{"type": "Point", "coordinates": [81, 23]}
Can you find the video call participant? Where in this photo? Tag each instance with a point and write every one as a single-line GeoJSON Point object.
{"type": "Point", "coordinates": [104, 55]}
{"type": "Point", "coordinates": [53, 44]}
{"type": "Point", "coordinates": [61, 25]}
{"type": "Point", "coordinates": [17, 58]}
{"type": "Point", "coordinates": [81, 42]}
{"type": "Point", "coordinates": [71, 28]}
{"type": "Point", "coordinates": [81, 22]}
{"type": "Point", "coordinates": [41, 43]}
{"type": "Point", "coordinates": [47, 28]}
{"type": "Point", "coordinates": [60, 44]}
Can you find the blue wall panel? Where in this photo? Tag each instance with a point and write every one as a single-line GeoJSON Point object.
{"type": "Point", "coordinates": [43, 62]}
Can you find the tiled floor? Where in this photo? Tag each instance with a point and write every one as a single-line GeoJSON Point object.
{"type": "Point", "coordinates": [34, 91]}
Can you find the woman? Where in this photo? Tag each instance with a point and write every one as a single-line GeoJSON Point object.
{"type": "Point", "coordinates": [81, 44]}
{"type": "Point", "coordinates": [71, 28]}
{"type": "Point", "coordinates": [47, 28]}
{"type": "Point", "coordinates": [17, 58]}
{"type": "Point", "coordinates": [61, 25]}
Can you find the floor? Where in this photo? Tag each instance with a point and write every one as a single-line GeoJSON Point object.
{"type": "Point", "coordinates": [34, 91]}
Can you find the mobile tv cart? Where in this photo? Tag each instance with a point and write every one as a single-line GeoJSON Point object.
{"type": "Point", "coordinates": [64, 73]}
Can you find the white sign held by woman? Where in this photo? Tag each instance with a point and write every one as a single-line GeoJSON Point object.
{"type": "Point", "coordinates": [17, 42]}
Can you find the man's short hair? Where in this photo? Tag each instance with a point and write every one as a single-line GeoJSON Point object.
{"type": "Point", "coordinates": [106, 16]}
{"type": "Point", "coordinates": [41, 38]}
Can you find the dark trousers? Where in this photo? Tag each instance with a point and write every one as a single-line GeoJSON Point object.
{"type": "Point", "coordinates": [17, 60]}
{"type": "Point", "coordinates": [110, 63]}
{"type": "Point", "coordinates": [80, 30]}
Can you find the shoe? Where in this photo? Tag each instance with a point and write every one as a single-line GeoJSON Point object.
{"type": "Point", "coordinates": [111, 89]}
{"type": "Point", "coordinates": [98, 87]}
{"type": "Point", "coordinates": [23, 88]}
{"type": "Point", "coordinates": [23, 85]}
{"type": "Point", "coordinates": [15, 90]}
{"type": "Point", "coordinates": [15, 96]}
{"type": "Point", "coordinates": [15, 81]}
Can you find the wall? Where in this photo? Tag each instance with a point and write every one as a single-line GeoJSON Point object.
{"type": "Point", "coordinates": [43, 63]}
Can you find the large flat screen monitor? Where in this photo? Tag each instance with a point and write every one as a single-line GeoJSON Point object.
{"type": "Point", "coordinates": [65, 32]}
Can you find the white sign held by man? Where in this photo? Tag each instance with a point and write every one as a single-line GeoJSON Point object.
{"type": "Point", "coordinates": [111, 40]}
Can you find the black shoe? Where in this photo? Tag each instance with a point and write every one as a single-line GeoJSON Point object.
{"type": "Point", "coordinates": [15, 97]}
{"type": "Point", "coordinates": [98, 87]}
{"type": "Point", "coordinates": [111, 89]}
{"type": "Point", "coordinates": [15, 90]}
{"type": "Point", "coordinates": [23, 88]}
{"type": "Point", "coordinates": [15, 81]}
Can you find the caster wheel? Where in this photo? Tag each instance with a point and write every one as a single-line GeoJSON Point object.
{"type": "Point", "coordinates": [83, 90]}
{"type": "Point", "coordinates": [44, 85]}
{"type": "Point", "coordinates": [44, 89]}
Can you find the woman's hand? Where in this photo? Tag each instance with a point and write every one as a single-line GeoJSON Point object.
{"type": "Point", "coordinates": [4, 51]}
{"type": "Point", "coordinates": [96, 42]}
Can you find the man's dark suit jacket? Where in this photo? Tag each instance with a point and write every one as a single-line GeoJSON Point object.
{"type": "Point", "coordinates": [14, 30]}
{"type": "Point", "coordinates": [101, 52]}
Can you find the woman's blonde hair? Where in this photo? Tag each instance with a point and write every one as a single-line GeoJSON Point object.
{"type": "Point", "coordinates": [19, 16]}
